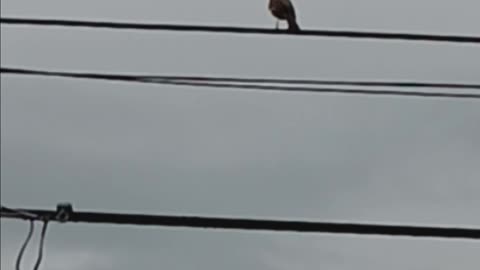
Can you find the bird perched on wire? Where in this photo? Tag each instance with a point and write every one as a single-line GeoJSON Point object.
{"type": "Point", "coordinates": [284, 10]}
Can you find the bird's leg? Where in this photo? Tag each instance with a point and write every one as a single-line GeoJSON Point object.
{"type": "Point", "coordinates": [277, 25]}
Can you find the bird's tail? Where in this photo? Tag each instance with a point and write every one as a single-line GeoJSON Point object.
{"type": "Point", "coordinates": [293, 26]}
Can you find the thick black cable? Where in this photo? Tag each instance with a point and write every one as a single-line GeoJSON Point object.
{"type": "Point", "coordinates": [260, 87]}
{"type": "Point", "coordinates": [261, 224]}
{"type": "Point", "coordinates": [242, 30]}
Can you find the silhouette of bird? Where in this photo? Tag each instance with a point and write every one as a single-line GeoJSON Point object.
{"type": "Point", "coordinates": [283, 10]}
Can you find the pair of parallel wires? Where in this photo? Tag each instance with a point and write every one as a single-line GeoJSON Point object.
{"type": "Point", "coordinates": [262, 84]}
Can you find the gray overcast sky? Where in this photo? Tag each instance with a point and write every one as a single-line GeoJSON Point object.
{"type": "Point", "coordinates": [159, 149]}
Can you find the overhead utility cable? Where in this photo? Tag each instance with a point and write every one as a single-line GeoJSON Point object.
{"type": "Point", "coordinates": [397, 84]}
{"type": "Point", "coordinates": [246, 86]}
{"type": "Point", "coordinates": [243, 30]}
{"type": "Point", "coordinates": [255, 224]}
{"type": "Point", "coordinates": [377, 83]}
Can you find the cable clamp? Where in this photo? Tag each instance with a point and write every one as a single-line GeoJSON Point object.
{"type": "Point", "coordinates": [64, 212]}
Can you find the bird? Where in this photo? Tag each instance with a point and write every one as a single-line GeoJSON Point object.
{"type": "Point", "coordinates": [284, 10]}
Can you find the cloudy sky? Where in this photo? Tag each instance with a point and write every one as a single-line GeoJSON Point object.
{"type": "Point", "coordinates": [163, 149]}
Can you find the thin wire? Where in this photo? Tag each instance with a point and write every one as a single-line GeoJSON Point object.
{"type": "Point", "coordinates": [153, 78]}
{"type": "Point", "coordinates": [40, 249]}
{"type": "Point", "coordinates": [20, 212]}
{"type": "Point", "coordinates": [24, 246]}
{"type": "Point", "coordinates": [261, 87]}
{"type": "Point", "coordinates": [408, 84]}
{"type": "Point", "coordinates": [328, 90]}
{"type": "Point", "coordinates": [243, 30]}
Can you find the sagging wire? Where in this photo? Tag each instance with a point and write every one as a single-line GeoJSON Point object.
{"type": "Point", "coordinates": [24, 246]}
{"type": "Point", "coordinates": [31, 217]}
{"type": "Point", "coordinates": [42, 243]}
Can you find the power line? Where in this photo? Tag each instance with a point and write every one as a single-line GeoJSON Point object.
{"type": "Point", "coordinates": [397, 84]}
{"type": "Point", "coordinates": [243, 30]}
{"type": "Point", "coordinates": [252, 224]}
{"type": "Point", "coordinates": [252, 87]}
